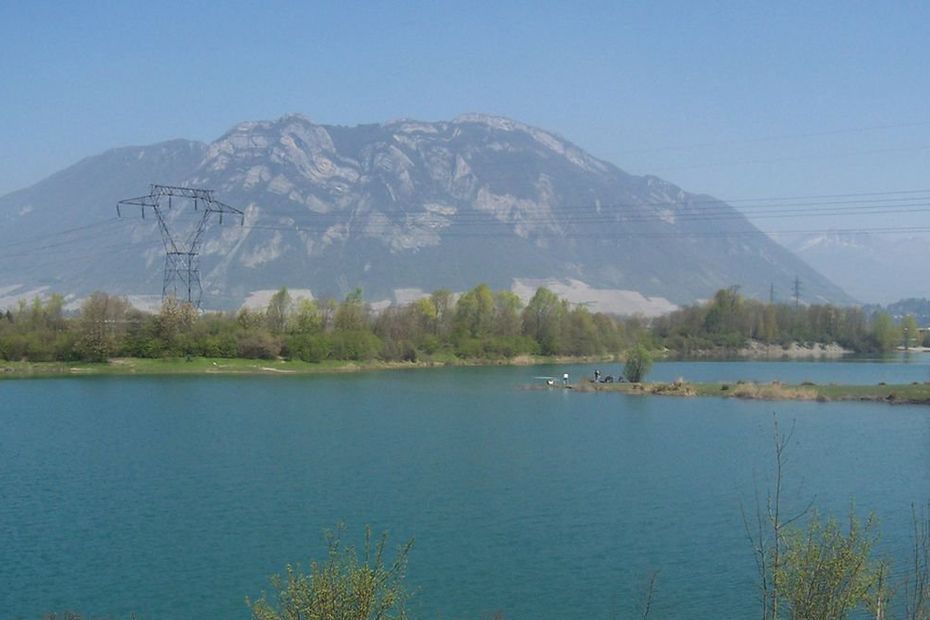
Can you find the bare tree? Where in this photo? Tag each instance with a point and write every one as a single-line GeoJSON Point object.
{"type": "Point", "coordinates": [818, 571]}
{"type": "Point", "coordinates": [917, 586]}
{"type": "Point", "coordinates": [766, 532]}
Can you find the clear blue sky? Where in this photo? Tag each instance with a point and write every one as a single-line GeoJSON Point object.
{"type": "Point", "coordinates": [719, 97]}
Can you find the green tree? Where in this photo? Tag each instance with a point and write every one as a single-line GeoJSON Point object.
{"type": "Point", "coordinates": [542, 320]}
{"type": "Point", "coordinates": [278, 312]}
{"type": "Point", "coordinates": [724, 312]}
{"type": "Point", "coordinates": [173, 325]}
{"type": "Point", "coordinates": [884, 332]}
{"type": "Point", "coordinates": [399, 327]}
{"type": "Point", "coordinates": [474, 312]}
{"type": "Point", "coordinates": [507, 320]}
{"type": "Point", "coordinates": [426, 314]}
{"type": "Point", "coordinates": [443, 300]}
{"type": "Point", "coordinates": [53, 312]}
{"type": "Point", "coordinates": [328, 308]}
{"type": "Point", "coordinates": [638, 363]}
{"type": "Point", "coordinates": [345, 586]}
{"type": "Point", "coordinates": [610, 333]}
{"type": "Point", "coordinates": [307, 319]}
{"type": "Point", "coordinates": [352, 314]}
{"type": "Point", "coordinates": [582, 333]}
{"type": "Point", "coordinates": [101, 325]}
{"type": "Point", "coordinates": [909, 332]}
{"type": "Point", "coordinates": [248, 318]}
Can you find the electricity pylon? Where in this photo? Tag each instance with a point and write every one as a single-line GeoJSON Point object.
{"type": "Point", "coordinates": [182, 265]}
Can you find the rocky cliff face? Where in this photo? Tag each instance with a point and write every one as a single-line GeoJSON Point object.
{"type": "Point", "coordinates": [394, 208]}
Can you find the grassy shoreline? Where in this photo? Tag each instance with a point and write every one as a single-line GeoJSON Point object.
{"type": "Point", "coordinates": [241, 366]}
{"type": "Point", "coordinates": [910, 393]}
{"type": "Point", "coordinates": [914, 393]}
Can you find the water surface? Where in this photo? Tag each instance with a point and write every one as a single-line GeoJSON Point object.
{"type": "Point", "coordinates": [175, 497]}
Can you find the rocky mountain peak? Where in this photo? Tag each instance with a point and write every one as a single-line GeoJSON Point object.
{"type": "Point", "coordinates": [496, 122]}
{"type": "Point", "coordinates": [409, 204]}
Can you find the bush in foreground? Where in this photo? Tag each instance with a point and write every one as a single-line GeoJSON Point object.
{"type": "Point", "coordinates": [346, 586]}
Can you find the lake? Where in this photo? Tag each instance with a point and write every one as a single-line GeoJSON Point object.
{"type": "Point", "coordinates": [176, 497]}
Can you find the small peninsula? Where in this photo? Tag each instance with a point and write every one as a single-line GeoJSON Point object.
{"type": "Point", "coordinates": [911, 393]}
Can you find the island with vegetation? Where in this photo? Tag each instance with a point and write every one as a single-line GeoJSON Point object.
{"type": "Point", "coordinates": [910, 393]}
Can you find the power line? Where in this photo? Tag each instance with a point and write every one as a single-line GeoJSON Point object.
{"type": "Point", "coordinates": [867, 200]}
{"type": "Point", "coordinates": [493, 230]}
{"type": "Point", "coordinates": [604, 236]}
{"type": "Point", "coordinates": [66, 231]}
{"type": "Point", "coordinates": [31, 251]}
{"type": "Point", "coordinates": [457, 225]}
{"type": "Point", "coordinates": [446, 232]}
{"type": "Point", "coordinates": [472, 223]}
{"type": "Point", "coordinates": [780, 160]}
{"type": "Point", "coordinates": [776, 138]}
{"type": "Point", "coordinates": [100, 251]}
{"type": "Point", "coordinates": [606, 215]}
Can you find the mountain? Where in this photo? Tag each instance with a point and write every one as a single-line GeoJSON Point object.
{"type": "Point", "coordinates": [394, 208]}
{"type": "Point", "coordinates": [919, 308]}
{"type": "Point", "coordinates": [868, 265]}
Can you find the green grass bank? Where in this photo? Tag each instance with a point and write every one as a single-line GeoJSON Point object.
{"type": "Point", "coordinates": [242, 366]}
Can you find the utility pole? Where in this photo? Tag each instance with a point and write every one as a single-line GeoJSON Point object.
{"type": "Point", "coordinates": [797, 293]}
{"type": "Point", "coordinates": [772, 294]}
{"type": "Point", "coordinates": [181, 254]}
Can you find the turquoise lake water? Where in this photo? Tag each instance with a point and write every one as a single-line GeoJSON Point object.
{"type": "Point", "coordinates": [175, 497]}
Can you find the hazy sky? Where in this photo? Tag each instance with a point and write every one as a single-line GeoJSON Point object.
{"type": "Point", "coordinates": [737, 99]}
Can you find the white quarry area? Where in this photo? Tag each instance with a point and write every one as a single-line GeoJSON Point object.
{"type": "Point", "coordinates": [258, 300]}
{"type": "Point", "coordinates": [401, 297]}
{"type": "Point", "coordinates": [615, 301]}
{"type": "Point", "coordinates": [145, 303]}
{"type": "Point", "coordinates": [11, 295]}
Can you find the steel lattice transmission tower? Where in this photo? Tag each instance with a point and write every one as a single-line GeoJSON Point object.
{"type": "Point", "coordinates": [182, 268]}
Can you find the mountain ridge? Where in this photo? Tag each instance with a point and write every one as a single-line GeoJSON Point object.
{"type": "Point", "coordinates": [403, 205]}
{"type": "Point", "coordinates": [867, 264]}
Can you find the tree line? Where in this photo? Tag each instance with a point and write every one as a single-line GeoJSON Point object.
{"type": "Point", "coordinates": [478, 324]}
{"type": "Point", "coordinates": [729, 321]}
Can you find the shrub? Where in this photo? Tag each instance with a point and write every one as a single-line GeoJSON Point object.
{"type": "Point", "coordinates": [826, 572]}
{"type": "Point", "coordinates": [257, 344]}
{"type": "Point", "coordinates": [354, 345]}
{"type": "Point", "coordinates": [638, 363]}
{"type": "Point", "coordinates": [344, 586]}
